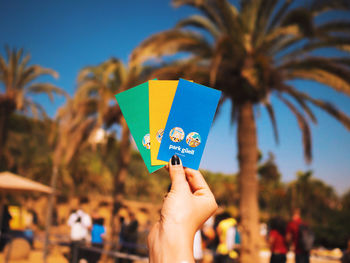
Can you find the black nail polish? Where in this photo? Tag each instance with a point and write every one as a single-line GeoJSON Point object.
{"type": "Point", "coordinates": [175, 160]}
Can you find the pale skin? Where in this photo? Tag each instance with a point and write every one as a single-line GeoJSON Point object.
{"type": "Point", "coordinates": [186, 207]}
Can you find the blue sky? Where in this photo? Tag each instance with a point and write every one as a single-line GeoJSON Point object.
{"type": "Point", "coordinates": [68, 35]}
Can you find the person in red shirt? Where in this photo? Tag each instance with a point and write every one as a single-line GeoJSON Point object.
{"type": "Point", "coordinates": [293, 233]}
{"type": "Point", "coordinates": [277, 240]}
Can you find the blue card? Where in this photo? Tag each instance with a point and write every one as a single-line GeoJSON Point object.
{"type": "Point", "coordinates": [188, 124]}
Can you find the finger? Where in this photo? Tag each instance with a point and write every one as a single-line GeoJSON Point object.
{"type": "Point", "coordinates": [177, 174]}
{"type": "Point", "coordinates": [196, 180]}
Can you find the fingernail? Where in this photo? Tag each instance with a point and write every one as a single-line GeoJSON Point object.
{"type": "Point", "coordinates": [175, 160]}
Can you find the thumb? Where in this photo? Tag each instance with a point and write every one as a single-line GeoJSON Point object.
{"type": "Point", "coordinates": [177, 174]}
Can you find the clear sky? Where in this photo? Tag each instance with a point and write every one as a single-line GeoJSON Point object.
{"type": "Point", "coordinates": [68, 35]}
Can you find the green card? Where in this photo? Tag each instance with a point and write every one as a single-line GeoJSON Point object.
{"type": "Point", "coordinates": [134, 105]}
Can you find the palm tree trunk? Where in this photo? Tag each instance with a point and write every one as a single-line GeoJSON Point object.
{"type": "Point", "coordinates": [248, 183]}
{"type": "Point", "coordinates": [119, 179]}
{"type": "Point", "coordinates": [50, 206]}
{"type": "Point", "coordinates": [7, 107]}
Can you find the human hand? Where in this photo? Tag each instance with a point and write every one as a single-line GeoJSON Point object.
{"type": "Point", "coordinates": [186, 207]}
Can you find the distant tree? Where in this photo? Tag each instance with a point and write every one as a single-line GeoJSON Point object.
{"type": "Point", "coordinates": [17, 83]}
{"type": "Point", "coordinates": [74, 124]}
{"type": "Point", "coordinates": [272, 192]}
{"type": "Point", "coordinates": [346, 200]}
{"type": "Point", "coordinates": [316, 199]}
{"type": "Point", "coordinates": [252, 50]}
{"type": "Point", "coordinates": [28, 148]}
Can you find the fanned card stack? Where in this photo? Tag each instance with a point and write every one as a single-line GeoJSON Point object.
{"type": "Point", "coordinates": [168, 117]}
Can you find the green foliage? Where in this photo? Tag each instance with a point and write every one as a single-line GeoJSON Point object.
{"type": "Point", "coordinates": [272, 192]}
{"type": "Point", "coordinates": [28, 150]}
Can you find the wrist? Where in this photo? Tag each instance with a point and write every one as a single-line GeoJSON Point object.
{"type": "Point", "coordinates": [170, 247]}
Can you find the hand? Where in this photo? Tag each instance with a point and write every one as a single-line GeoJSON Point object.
{"type": "Point", "coordinates": [186, 207]}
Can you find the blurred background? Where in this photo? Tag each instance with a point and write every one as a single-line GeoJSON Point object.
{"type": "Point", "coordinates": [279, 141]}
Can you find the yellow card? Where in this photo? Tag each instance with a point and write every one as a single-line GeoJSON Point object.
{"type": "Point", "coordinates": [161, 95]}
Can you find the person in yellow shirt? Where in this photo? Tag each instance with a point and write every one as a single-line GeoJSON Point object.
{"type": "Point", "coordinates": [226, 232]}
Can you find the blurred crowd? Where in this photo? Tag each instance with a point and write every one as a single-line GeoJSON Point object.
{"type": "Point", "coordinates": [219, 239]}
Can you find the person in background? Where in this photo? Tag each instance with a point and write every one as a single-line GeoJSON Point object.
{"type": "Point", "coordinates": [132, 234]}
{"type": "Point", "coordinates": [5, 227]}
{"type": "Point", "coordinates": [129, 236]}
{"type": "Point", "coordinates": [98, 233]}
{"type": "Point", "coordinates": [346, 255]}
{"type": "Point", "coordinates": [80, 224]}
{"type": "Point", "coordinates": [237, 246]}
{"type": "Point", "coordinates": [226, 233]}
{"type": "Point", "coordinates": [277, 240]}
{"type": "Point", "coordinates": [297, 232]}
{"type": "Point", "coordinates": [197, 247]}
{"type": "Point", "coordinates": [122, 232]}
{"type": "Point", "coordinates": [186, 207]}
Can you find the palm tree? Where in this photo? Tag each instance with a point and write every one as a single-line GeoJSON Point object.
{"type": "Point", "coordinates": [75, 122]}
{"type": "Point", "coordinates": [102, 82]}
{"type": "Point", "coordinates": [18, 83]}
{"type": "Point", "coordinates": [251, 51]}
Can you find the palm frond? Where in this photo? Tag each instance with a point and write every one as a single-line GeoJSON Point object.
{"type": "Point", "coordinates": [33, 72]}
{"type": "Point", "coordinates": [301, 17]}
{"type": "Point", "coordinates": [169, 43]}
{"type": "Point", "coordinates": [341, 43]}
{"type": "Point", "coordinates": [279, 15]}
{"type": "Point", "coordinates": [46, 88]}
{"type": "Point", "coordinates": [265, 10]}
{"type": "Point", "coordinates": [271, 113]}
{"type": "Point", "coordinates": [327, 78]}
{"type": "Point", "coordinates": [206, 8]}
{"type": "Point", "coordinates": [301, 101]}
{"type": "Point", "coordinates": [304, 127]}
{"type": "Point", "coordinates": [280, 33]}
{"type": "Point", "coordinates": [327, 71]}
{"type": "Point", "coordinates": [320, 6]}
{"type": "Point", "coordinates": [334, 26]}
{"type": "Point", "coordinates": [324, 105]}
{"type": "Point", "coordinates": [199, 22]}
{"type": "Point", "coordinates": [36, 109]}
{"type": "Point", "coordinates": [230, 19]}
{"type": "Point", "coordinates": [249, 14]}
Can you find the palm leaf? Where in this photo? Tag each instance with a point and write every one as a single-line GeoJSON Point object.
{"type": "Point", "coordinates": [169, 43]}
{"type": "Point", "coordinates": [327, 78]}
{"type": "Point", "coordinates": [304, 127]}
{"type": "Point", "coordinates": [301, 17]}
{"type": "Point", "coordinates": [200, 22]}
{"type": "Point", "coordinates": [46, 88]}
{"type": "Point", "coordinates": [327, 71]}
{"type": "Point", "coordinates": [271, 113]}
{"type": "Point", "coordinates": [279, 15]}
{"type": "Point", "coordinates": [33, 72]}
{"type": "Point", "coordinates": [341, 43]}
{"type": "Point", "coordinates": [301, 101]}
{"type": "Point", "coordinates": [321, 6]}
{"type": "Point", "coordinates": [324, 105]}
{"type": "Point", "coordinates": [286, 32]}
{"type": "Point", "coordinates": [204, 7]}
{"type": "Point", "coordinates": [249, 14]}
{"type": "Point", "coordinates": [264, 13]}
{"type": "Point", "coordinates": [232, 25]}
{"type": "Point", "coordinates": [334, 26]}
